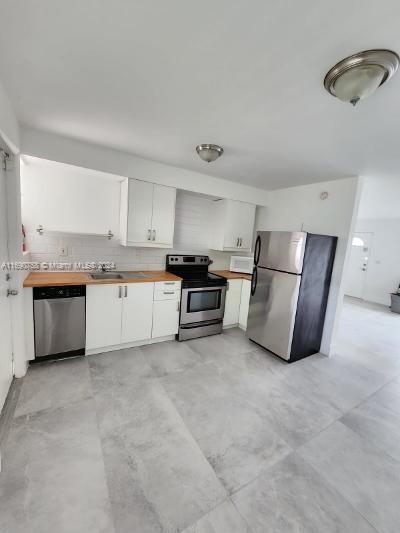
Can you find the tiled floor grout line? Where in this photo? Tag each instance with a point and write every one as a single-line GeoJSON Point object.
{"type": "Point", "coordinates": [326, 479]}
{"type": "Point", "coordinates": [158, 379]}
{"type": "Point", "coordinates": [372, 394]}
{"type": "Point", "coordinates": [7, 415]}
{"type": "Point", "coordinates": [344, 413]}
{"type": "Point", "coordinates": [292, 451]}
{"type": "Point", "coordinates": [101, 447]}
{"type": "Point", "coordinates": [45, 410]}
{"type": "Point", "coordinates": [228, 493]}
{"type": "Point", "coordinates": [250, 530]}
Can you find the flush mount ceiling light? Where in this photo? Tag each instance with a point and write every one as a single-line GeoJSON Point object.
{"type": "Point", "coordinates": [359, 75]}
{"type": "Point", "coordinates": [209, 152]}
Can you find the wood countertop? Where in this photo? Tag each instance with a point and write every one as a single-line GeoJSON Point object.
{"type": "Point", "coordinates": [48, 279]}
{"type": "Point", "coordinates": [231, 275]}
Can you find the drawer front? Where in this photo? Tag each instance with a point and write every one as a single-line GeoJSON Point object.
{"type": "Point", "coordinates": [167, 294]}
{"type": "Point", "coordinates": [167, 285]}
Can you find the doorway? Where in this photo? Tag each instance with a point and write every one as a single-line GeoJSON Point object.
{"type": "Point", "coordinates": [358, 264]}
{"type": "Point", "coordinates": [6, 356]}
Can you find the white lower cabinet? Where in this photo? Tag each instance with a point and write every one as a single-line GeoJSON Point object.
{"type": "Point", "coordinates": [122, 314]}
{"type": "Point", "coordinates": [244, 303]}
{"type": "Point", "coordinates": [232, 302]}
{"type": "Point", "coordinates": [137, 312]}
{"type": "Point", "coordinates": [167, 297]}
{"type": "Point", "coordinates": [103, 315]}
{"type": "Point", "coordinates": [117, 314]}
{"type": "Point", "coordinates": [165, 318]}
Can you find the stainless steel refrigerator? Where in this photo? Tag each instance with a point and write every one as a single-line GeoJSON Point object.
{"type": "Point", "coordinates": [289, 292]}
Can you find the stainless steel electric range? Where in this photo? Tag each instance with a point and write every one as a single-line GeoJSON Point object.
{"type": "Point", "coordinates": [202, 297]}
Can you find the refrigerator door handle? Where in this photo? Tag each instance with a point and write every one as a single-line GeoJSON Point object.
{"type": "Point", "coordinates": [254, 281]}
{"type": "Point", "coordinates": [257, 250]}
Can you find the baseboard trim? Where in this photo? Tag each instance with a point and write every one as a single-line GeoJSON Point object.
{"type": "Point", "coordinates": [230, 326]}
{"type": "Point", "coordinates": [135, 344]}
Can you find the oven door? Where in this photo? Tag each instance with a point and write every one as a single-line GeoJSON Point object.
{"type": "Point", "coordinates": [202, 303]}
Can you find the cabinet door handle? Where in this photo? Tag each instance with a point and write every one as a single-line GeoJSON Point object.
{"type": "Point", "coordinates": [169, 282]}
{"type": "Point", "coordinates": [120, 292]}
{"type": "Point", "coordinates": [237, 242]}
{"type": "Point", "coordinates": [126, 291]}
{"type": "Point", "coordinates": [178, 305]}
{"type": "Point", "coordinates": [154, 234]}
{"type": "Point", "coordinates": [148, 234]}
{"type": "Point", "coordinates": [169, 292]}
{"type": "Point", "coordinates": [240, 243]}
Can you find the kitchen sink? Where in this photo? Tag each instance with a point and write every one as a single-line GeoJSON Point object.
{"type": "Point", "coordinates": [106, 275]}
{"type": "Point", "coordinates": [129, 274]}
{"type": "Point", "coordinates": [119, 275]}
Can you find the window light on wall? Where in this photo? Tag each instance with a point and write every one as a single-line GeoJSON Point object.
{"type": "Point", "coordinates": [357, 241]}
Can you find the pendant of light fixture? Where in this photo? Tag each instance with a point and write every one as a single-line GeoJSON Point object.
{"type": "Point", "coordinates": [209, 152]}
{"type": "Point", "coordinates": [359, 75]}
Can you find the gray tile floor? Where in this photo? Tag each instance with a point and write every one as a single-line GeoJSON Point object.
{"type": "Point", "coordinates": [211, 436]}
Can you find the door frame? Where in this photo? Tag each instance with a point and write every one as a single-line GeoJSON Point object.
{"type": "Point", "coordinates": [6, 160]}
{"type": "Point", "coordinates": [13, 186]}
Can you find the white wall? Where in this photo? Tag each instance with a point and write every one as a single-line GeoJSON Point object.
{"type": "Point", "coordinates": [300, 208]}
{"type": "Point", "coordinates": [192, 234]}
{"type": "Point", "coordinates": [383, 274]}
{"type": "Point", "coordinates": [379, 213]}
{"type": "Point", "coordinates": [380, 198]}
{"type": "Point", "coordinates": [9, 129]}
{"type": "Point", "coordinates": [66, 150]}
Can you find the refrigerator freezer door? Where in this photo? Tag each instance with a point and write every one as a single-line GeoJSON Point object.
{"type": "Point", "coordinates": [282, 250]}
{"type": "Point", "coordinates": [272, 311]}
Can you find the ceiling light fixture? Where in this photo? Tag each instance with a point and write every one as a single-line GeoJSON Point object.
{"type": "Point", "coordinates": [359, 75]}
{"type": "Point", "coordinates": [209, 152]}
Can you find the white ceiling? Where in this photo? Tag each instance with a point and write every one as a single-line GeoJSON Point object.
{"type": "Point", "coordinates": [158, 77]}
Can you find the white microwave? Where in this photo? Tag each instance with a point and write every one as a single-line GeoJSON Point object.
{"type": "Point", "coordinates": [241, 264]}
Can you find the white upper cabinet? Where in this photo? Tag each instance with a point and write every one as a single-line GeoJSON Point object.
{"type": "Point", "coordinates": [233, 225]}
{"type": "Point", "coordinates": [68, 199]}
{"type": "Point", "coordinates": [147, 215]}
{"type": "Point", "coordinates": [140, 210]}
{"type": "Point", "coordinates": [163, 221]}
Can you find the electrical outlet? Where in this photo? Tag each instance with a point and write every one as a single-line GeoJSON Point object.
{"type": "Point", "coordinates": [62, 250]}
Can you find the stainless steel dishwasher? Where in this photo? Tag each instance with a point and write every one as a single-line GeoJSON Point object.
{"type": "Point", "coordinates": [60, 321]}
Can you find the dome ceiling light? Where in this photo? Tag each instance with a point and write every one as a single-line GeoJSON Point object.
{"type": "Point", "coordinates": [359, 75]}
{"type": "Point", "coordinates": [209, 152]}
